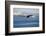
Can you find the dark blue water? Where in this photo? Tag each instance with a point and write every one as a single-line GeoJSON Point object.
{"type": "Point", "coordinates": [19, 21]}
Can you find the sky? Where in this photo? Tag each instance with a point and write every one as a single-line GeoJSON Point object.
{"type": "Point", "coordinates": [27, 11]}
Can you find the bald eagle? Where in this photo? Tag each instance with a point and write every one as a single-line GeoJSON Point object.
{"type": "Point", "coordinates": [28, 16]}
{"type": "Point", "coordinates": [25, 16]}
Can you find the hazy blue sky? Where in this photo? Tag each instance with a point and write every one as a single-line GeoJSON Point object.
{"type": "Point", "coordinates": [26, 11]}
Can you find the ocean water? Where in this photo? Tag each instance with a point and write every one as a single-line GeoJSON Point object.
{"type": "Point", "coordinates": [19, 21]}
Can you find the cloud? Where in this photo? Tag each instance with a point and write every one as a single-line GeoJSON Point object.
{"type": "Point", "coordinates": [27, 11]}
